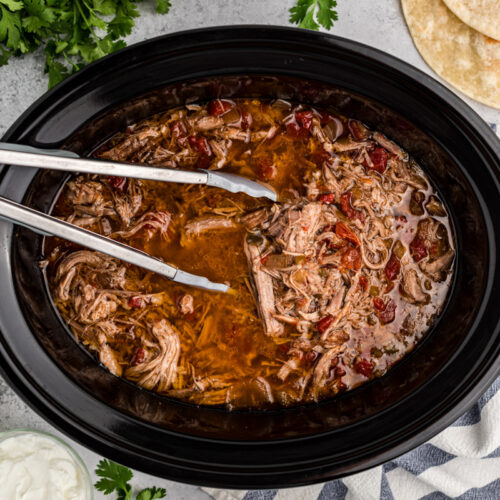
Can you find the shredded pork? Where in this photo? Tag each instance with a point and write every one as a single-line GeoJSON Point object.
{"type": "Point", "coordinates": [330, 287]}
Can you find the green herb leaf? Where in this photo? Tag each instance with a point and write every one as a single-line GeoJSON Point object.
{"type": "Point", "coordinates": [72, 32]}
{"type": "Point", "coordinates": [13, 5]}
{"type": "Point", "coordinates": [310, 14]}
{"type": "Point", "coordinates": [152, 494]}
{"type": "Point", "coordinates": [114, 477]}
{"type": "Point", "coordinates": [299, 12]}
{"type": "Point", "coordinates": [10, 28]}
{"type": "Point", "coordinates": [4, 56]}
{"type": "Point", "coordinates": [326, 13]}
{"type": "Point", "coordinates": [162, 7]}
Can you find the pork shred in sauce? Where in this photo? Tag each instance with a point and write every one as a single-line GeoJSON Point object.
{"type": "Point", "coordinates": [330, 287]}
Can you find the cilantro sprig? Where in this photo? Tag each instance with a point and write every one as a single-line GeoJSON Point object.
{"type": "Point", "coordinates": [115, 479]}
{"type": "Point", "coordinates": [311, 14]}
{"type": "Point", "coordinates": [73, 33]}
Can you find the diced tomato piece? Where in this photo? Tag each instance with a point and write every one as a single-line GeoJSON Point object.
{"type": "Point", "coordinates": [218, 107]}
{"type": "Point", "coordinates": [295, 131]}
{"type": "Point", "coordinates": [351, 213]}
{"type": "Point", "coordinates": [418, 249]}
{"type": "Point", "coordinates": [392, 268]}
{"type": "Point", "coordinates": [304, 119]}
{"type": "Point", "coordinates": [119, 184]}
{"type": "Point", "coordinates": [345, 203]}
{"type": "Point", "coordinates": [311, 356]}
{"type": "Point", "coordinates": [328, 198]}
{"type": "Point", "coordinates": [378, 156]}
{"type": "Point", "coordinates": [339, 371]}
{"type": "Point", "coordinates": [378, 303]}
{"type": "Point", "coordinates": [364, 366]}
{"type": "Point", "coordinates": [324, 323]}
{"type": "Point", "coordinates": [246, 120]}
{"type": "Point", "coordinates": [356, 129]}
{"type": "Point", "coordinates": [200, 144]}
{"type": "Point", "coordinates": [136, 302]}
{"type": "Point", "coordinates": [389, 312]}
{"type": "Point", "coordinates": [203, 162]}
{"type": "Point", "coordinates": [284, 348]}
{"type": "Point", "coordinates": [363, 282]}
{"type": "Point", "coordinates": [342, 231]}
{"type": "Point", "coordinates": [266, 170]}
{"type": "Point", "coordinates": [351, 259]}
{"type": "Point", "coordinates": [138, 357]}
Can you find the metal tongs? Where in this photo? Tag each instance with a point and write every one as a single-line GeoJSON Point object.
{"type": "Point", "coordinates": [14, 154]}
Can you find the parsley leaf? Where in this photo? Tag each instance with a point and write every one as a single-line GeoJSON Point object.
{"type": "Point", "coordinates": [72, 32]}
{"type": "Point", "coordinates": [10, 28]}
{"type": "Point", "coordinates": [152, 494]}
{"type": "Point", "coordinates": [162, 7]}
{"type": "Point", "coordinates": [13, 5]}
{"type": "Point", "coordinates": [310, 14]}
{"type": "Point", "coordinates": [114, 477]}
{"type": "Point", "coordinates": [4, 56]}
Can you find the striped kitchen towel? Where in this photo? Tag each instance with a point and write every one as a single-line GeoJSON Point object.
{"type": "Point", "coordinates": [462, 462]}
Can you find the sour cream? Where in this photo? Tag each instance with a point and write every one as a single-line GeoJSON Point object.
{"type": "Point", "coordinates": [36, 467]}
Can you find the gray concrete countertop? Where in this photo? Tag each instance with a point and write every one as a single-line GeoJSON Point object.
{"type": "Point", "coordinates": [378, 23]}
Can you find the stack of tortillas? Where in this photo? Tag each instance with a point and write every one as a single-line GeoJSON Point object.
{"type": "Point", "coordinates": [460, 41]}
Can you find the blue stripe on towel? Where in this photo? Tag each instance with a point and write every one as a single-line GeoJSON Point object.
{"type": "Point", "coordinates": [260, 495]}
{"type": "Point", "coordinates": [489, 492]}
{"type": "Point", "coordinates": [494, 454]}
{"type": "Point", "coordinates": [385, 489]}
{"type": "Point", "coordinates": [473, 416]}
{"type": "Point", "coordinates": [334, 490]}
{"type": "Point", "coordinates": [423, 457]}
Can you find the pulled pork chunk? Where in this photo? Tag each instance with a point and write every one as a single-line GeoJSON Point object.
{"type": "Point", "coordinates": [88, 198]}
{"type": "Point", "coordinates": [411, 288]}
{"type": "Point", "coordinates": [134, 141]}
{"type": "Point", "coordinates": [158, 371]}
{"type": "Point", "coordinates": [78, 263]}
{"type": "Point", "coordinates": [264, 289]}
{"type": "Point", "coordinates": [301, 227]}
{"type": "Point", "coordinates": [186, 305]}
{"type": "Point", "coordinates": [202, 225]}
{"type": "Point", "coordinates": [108, 357]}
{"type": "Point", "coordinates": [147, 226]}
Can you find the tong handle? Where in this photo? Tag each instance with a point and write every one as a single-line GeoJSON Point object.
{"type": "Point", "coordinates": [50, 226]}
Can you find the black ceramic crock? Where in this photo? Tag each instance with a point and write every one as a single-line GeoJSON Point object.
{"type": "Point", "coordinates": [426, 392]}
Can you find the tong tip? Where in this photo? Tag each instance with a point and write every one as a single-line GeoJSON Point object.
{"type": "Point", "coordinates": [199, 281]}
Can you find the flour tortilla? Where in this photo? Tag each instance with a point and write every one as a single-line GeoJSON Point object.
{"type": "Point", "coordinates": [482, 15]}
{"type": "Point", "coordinates": [467, 59]}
